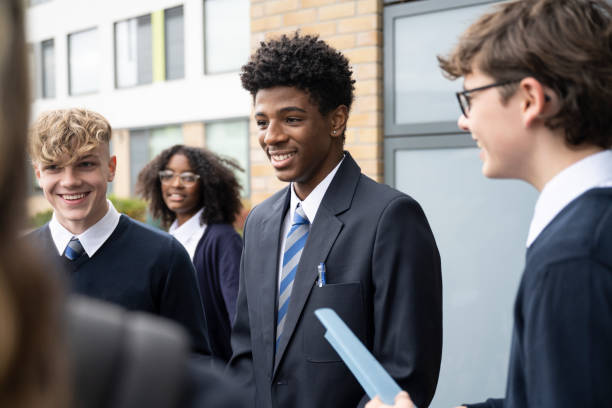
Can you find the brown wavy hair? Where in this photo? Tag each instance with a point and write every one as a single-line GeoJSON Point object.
{"type": "Point", "coordinates": [219, 188]}
{"type": "Point", "coordinates": [564, 44]}
{"type": "Point", "coordinates": [33, 370]}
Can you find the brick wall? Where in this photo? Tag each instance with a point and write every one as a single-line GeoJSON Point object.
{"type": "Point", "coordinates": [353, 27]}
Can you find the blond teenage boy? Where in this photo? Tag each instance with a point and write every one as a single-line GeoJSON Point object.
{"type": "Point", "coordinates": [537, 99]}
{"type": "Point", "coordinates": [107, 255]}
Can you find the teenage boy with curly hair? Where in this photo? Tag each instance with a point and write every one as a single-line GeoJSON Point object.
{"type": "Point", "coordinates": [382, 267]}
{"type": "Point", "coordinates": [107, 255]}
{"type": "Point", "coordinates": [537, 100]}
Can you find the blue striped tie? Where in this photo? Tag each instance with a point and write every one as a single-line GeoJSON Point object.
{"type": "Point", "coordinates": [74, 249]}
{"type": "Point", "coordinates": [296, 239]}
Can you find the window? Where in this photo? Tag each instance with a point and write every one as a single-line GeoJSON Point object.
{"type": "Point", "coordinates": [145, 144]}
{"type": "Point", "coordinates": [47, 60]}
{"type": "Point", "coordinates": [231, 138]}
{"type": "Point", "coordinates": [133, 52]}
{"type": "Point", "coordinates": [175, 48]}
{"type": "Point", "coordinates": [226, 37]}
{"type": "Point", "coordinates": [480, 226]}
{"type": "Point", "coordinates": [83, 62]}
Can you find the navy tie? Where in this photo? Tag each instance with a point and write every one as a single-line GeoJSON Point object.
{"type": "Point", "coordinates": [296, 239]}
{"type": "Point", "coordinates": [74, 249]}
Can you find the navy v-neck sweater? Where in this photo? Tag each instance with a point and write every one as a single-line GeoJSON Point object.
{"type": "Point", "coordinates": [139, 268]}
{"type": "Point", "coordinates": [561, 353]}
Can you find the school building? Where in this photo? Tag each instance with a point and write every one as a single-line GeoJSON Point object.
{"type": "Point", "coordinates": [166, 72]}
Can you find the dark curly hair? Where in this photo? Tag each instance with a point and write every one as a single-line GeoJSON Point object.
{"type": "Point", "coordinates": [219, 188]}
{"type": "Point", "coordinates": [304, 62]}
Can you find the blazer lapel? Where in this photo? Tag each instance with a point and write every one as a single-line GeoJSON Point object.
{"type": "Point", "coordinates": [322, 235]}
{"type": "Point", "coordinates": [267, 269]}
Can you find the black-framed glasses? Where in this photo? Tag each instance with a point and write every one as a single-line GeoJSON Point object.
{"type": "Point", "coordinates": [187, 178]}
{"type": "Point", "coordinates": [464, 96]}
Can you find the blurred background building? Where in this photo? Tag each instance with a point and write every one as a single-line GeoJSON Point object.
{"type": "Point", "coordinates": [166, 72]}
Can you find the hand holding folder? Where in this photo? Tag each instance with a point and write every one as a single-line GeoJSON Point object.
{"type": "Point", "coordinates": [374, 379]}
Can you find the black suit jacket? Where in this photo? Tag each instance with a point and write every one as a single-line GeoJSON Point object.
{"type": "Point", "coordinates": [383, 279]}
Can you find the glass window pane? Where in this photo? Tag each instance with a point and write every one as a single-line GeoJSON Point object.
{"type": "Point", "coordinates": [164, 137]}
{"type": "Point", "coordinates": [175, 49]}
{"type": "Point", "coordinates": [83, 62]}
{"type": "Point", "coordinates": [133, 52]}
{"type": "Point", "coordinates": [144, 48]}
{"type": "Point", "coordinates": [139, 155]}
{"type": "Point", "coordinates": [422, 94]}
{"type": "Point", "coordinates": [231, 139]}
{"type": "Point", "coordinates": [48, 69]}
{"type": "Point", "coordinates": [480, 228]}
{"type": "Point", "coordinates": [227, 34]}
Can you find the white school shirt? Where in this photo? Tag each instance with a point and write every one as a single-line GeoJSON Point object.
{"type": "Point", "coordinates": [190, 233]}
{"type": "Point", "coordinates": [92, 239]}
{"type": "Point", "coordinates": [310, 205]}
{"type": "Point", "coordinates": [591, 172]}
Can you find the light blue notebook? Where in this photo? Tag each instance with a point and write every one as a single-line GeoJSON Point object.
{"type": "Point", "coordinates": [371, 375]}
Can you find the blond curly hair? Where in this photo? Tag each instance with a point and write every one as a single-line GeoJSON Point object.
{"type": "Point", "coordinates": [64, 135]}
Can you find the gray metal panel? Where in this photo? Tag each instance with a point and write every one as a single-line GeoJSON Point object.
{"type": "Point", "coordinates": [456, 140]}
{"type": "Point", "coordinates": [391, 13]}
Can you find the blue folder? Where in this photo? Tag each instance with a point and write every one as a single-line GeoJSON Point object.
{"type": "Point", "coordinates": [374, 379]}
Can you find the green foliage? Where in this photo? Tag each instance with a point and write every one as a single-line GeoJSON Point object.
{"type": "Point", "coordinates": [39, 219]}
{"type": "Point", "coordinates": [132, 207]}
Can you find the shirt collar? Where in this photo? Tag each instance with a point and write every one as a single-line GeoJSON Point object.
{"type": "Point", "coordinates": [313, 201]}
{"type": "Point", "coordinates": [93, 238]}
{"type": "Point", "coordinates": [590, 172]}
{"type": "Point", "coordinates": [188, 229]}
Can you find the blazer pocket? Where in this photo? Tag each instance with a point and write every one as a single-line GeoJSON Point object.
{"type": "Point", "coordinates": [346, 300]}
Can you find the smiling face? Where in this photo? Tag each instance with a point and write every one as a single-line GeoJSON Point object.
{"type": "Point", "coordinates": [299, 141]}
{"type": "Point", "coordinates": [497, 127]}
{"type": "Point", "coordinates": [77, 192]}
{"type": "Point", "coordinates": [182, 200]}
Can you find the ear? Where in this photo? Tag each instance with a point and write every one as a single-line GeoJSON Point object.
{"type": "Point", "coordinates": [539, 102]}
{"type": "Point", "coordinates": [112, 166]}
{"type": "Point", "coordinates": [36, 167]}
{"type": "Point", "coordinates": [338, 118]}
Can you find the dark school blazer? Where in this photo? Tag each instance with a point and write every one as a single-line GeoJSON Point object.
{"type": "Point", "coordinates": [383, 279]}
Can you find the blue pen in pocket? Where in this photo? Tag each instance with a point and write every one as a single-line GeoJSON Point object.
{"type": "Point", "coordinates": [321, 270]}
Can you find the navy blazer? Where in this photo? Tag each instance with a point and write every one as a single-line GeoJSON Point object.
{"type": "Point", "coordinates": [383, 279]}
{"type": "Point", "coordinates": [217, 264]}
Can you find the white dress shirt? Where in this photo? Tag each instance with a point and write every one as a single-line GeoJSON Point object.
{"type": "Point", "coordinates": [190, 233]}
{"type": "Point", "coordinates": [310, 205]}
{"type": "Point", "coordinates": [92, 239]}
{"type": "Point", "coordinates": [591, 172]}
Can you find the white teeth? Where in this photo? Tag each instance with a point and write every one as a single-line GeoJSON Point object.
{"type": "Point", "coordinates": [73, 196]}
{"type": "Point", "coordinates": [281, 157]}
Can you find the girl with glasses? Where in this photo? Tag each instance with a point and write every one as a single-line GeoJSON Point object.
{"type": "Point", "coordinates": [196, 195]}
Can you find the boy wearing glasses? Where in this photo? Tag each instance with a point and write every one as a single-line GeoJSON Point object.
{"type": "Point", "coordinates": [106, 254]}
{"type": "Point", "coordinates": [537, 100]}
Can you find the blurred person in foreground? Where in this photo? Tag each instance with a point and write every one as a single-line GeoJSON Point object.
{"type": "Point", "coordinates": [537, 99]}
{"type": "Point", "coordinates": [105, 254]}
{"type": "Point", "coordinates": [47, 353]}
{"type": "Point", "coordinates": [33, 372]}
{"type": "Point", "coordinates": [196, 195]}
